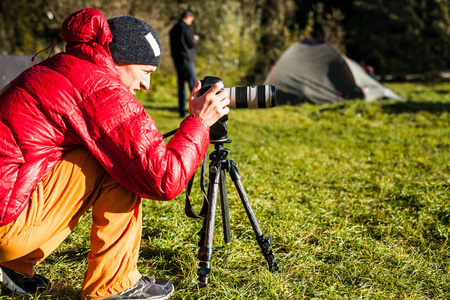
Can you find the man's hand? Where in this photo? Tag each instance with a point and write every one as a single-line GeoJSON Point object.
{"type": "Point", "coordinates": [211, 106]}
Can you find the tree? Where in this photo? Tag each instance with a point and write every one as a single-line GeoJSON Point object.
{"type": "Point", "coordinates": [330, 26]}
{"type": "Point", "coordinates": [241, 40]}
{"type": "Point", "coordinates": [22, 24]}
{"type": "Point", "coordinates": [399, 37]}
{"type": "Point", "coordinates": [279, 30]}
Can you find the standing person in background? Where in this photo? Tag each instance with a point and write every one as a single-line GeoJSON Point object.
{"type": "Point", "coordinates": [183, 41]}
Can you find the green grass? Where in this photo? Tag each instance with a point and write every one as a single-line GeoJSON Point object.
{"type": "Point", "coordinates": [355, 195]}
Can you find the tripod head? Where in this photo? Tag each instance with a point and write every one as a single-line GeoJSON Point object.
{"type": "Point", "coordinates": [218, 131]}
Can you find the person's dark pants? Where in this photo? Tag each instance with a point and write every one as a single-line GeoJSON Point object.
{"type": "Point", "coordinates": [185, 73]}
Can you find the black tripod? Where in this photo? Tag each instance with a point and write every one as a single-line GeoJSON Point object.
{"type": "Point", "coordinates": [217, 183]}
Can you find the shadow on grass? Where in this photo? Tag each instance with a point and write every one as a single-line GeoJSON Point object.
{"type": "Point", "coordinates": [167, 108]}
{"type": "Point", "coordinates": [443, 92]}
{"type": "Point", "coordinates": [414, 107]}
{"type": "Point", "coordinates": [333, 108]}
{"type": "Point", "coordinates": [61, 291]}
{"type": "Point", "coordinates": [408, 203]}
{"type": "Point", "coordinates": [75, 254]}
{"type": "Point", "coordinates": [444, 217]}
{"type": "Point", "coordinates": [398, 107]}
{"type": "Point", "coordinates": [437, 91]}
{"type": "Point", "coordinates": [165, 255]}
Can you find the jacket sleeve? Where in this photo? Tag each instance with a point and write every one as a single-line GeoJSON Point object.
{"type": "Point", "coordinates": [125, 140]}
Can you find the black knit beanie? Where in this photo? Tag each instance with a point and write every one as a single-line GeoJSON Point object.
{"type": "Point", "coordinates": [134, 42]}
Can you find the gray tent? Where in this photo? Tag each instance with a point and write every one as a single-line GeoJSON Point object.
{"type": "Point", "coordinates": [314, 71]}
{"type": "Point", "coordinates": [12, 65]}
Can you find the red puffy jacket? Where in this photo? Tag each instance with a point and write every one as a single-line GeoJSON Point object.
{"type": "Point", "coordinates": [76, 99]}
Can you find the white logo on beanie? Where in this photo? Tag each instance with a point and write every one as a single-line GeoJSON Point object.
{"type": "Point", "coordinates": [153, 44]}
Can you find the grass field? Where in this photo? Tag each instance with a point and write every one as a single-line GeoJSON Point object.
{"type": "Point", "coordinates": [356, 197]}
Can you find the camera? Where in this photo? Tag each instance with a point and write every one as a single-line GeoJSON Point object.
{"type": "Point", "coordinates": [257, 96]}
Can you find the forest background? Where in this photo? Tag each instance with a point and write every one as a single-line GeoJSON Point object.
{"type": "Point", "coordinates": [362, 186]}
{"type": "Point", "coordinates": [242, 39]}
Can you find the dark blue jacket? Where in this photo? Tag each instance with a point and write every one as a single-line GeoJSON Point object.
{"type": "Point", "coordinates": [182, 43]}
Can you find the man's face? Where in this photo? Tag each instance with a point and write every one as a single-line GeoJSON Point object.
{"type": "Point", "coordinates": [135, 76]}
{"type": "Point", "coordinates": [189, 19]}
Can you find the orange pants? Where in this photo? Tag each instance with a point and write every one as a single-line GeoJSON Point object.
{"type": "Point", "coordinates": [76, 184]}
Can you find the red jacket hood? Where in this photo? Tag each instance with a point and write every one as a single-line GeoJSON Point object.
{"type": "Point", "coordinates": [87, 35]}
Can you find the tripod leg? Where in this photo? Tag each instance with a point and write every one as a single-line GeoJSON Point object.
{"type": "Point", "coordinates": [262, 241]}
{"type": "Point", "coordinates": [205, 251]}
{"type": "Point", "coordinates": [224, 207]}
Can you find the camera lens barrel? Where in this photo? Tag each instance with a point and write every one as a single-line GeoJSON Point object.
{"type": "Point", "coordinates": [257, 96]}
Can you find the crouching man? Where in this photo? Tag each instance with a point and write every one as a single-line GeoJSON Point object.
{"type": "Point", "coordinates": [73, 138]}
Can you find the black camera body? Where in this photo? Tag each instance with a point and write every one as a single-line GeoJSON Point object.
{"type": "Point", "coordinates": [207, 83]}
{"type": "Point", "coordinates": [218, 131]}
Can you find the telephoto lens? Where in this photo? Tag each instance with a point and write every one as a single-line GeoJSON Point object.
{"type": "Point", "coordinates": [257, 96]}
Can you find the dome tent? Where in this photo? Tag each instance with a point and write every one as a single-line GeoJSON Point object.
{"type": "Point", "coordinates": [314, 71]}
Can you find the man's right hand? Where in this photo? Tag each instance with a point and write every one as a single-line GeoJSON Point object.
{"type": "Point", "coordinates": [212, 105]}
